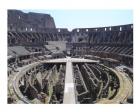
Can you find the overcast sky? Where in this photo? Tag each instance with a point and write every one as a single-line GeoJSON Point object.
{"type": "Point", "coordinates": [88, 18]}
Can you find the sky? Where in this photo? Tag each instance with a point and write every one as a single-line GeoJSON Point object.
{"type": "Point", "coordinates": [88, 18]}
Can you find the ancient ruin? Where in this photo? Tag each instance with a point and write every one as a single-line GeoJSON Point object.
{"type": "Point", "coordinates": [49, 65]}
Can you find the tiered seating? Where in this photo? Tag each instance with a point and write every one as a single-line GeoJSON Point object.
{"type": "Point", "coordinates": [113, 50]}
{"type": "Point", "coordinates": [34, 38]}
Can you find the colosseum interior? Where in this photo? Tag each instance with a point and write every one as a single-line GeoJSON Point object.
{"type": "Point", "coordinates": [49, 65]}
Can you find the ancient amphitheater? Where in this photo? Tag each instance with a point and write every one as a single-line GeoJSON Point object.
{"type": "Point", "coordinates": [49, 65]}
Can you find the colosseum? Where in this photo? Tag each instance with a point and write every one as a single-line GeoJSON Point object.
{"type": "Point", "coordinates": [49, 65]}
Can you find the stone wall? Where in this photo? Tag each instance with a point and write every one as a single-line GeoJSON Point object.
{"type": "Point", "coordinates": [28, 21]}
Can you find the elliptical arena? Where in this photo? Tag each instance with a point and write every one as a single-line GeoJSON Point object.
{"type": "Point", "coordinates": [49, 65]}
